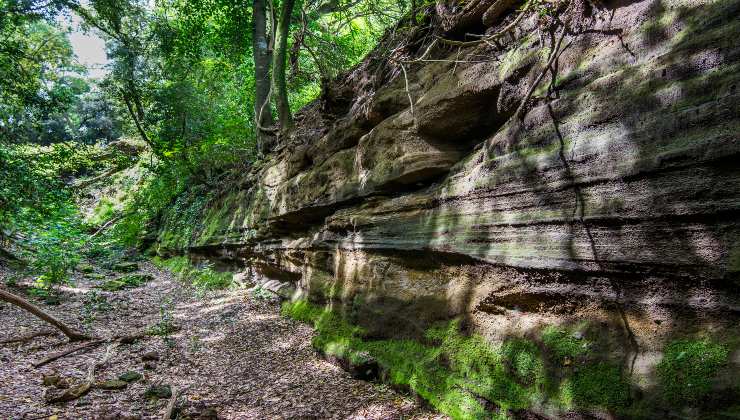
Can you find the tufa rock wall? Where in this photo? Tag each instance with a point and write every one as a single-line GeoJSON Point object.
{"type": "Point", "coordinates": [613, 203]}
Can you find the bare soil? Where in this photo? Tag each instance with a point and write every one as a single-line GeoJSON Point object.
{"type": "Point", "coordinates": [233, 355]}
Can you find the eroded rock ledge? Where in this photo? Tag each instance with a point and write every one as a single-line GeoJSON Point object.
{"type": "Point", "coordinates": [614, 204]}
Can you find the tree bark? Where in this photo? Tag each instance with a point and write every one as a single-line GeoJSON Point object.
{"type": "Point", "coordinates": [72, 334]}
{"type": "Point", "coordinates": [279, 85]}
{"type": "Point", "coordinates": [262, 58]}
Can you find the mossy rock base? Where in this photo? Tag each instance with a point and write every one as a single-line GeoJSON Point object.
{"type": "Point", "coordinates": [156, 392]}
{"type": "Point", "coordinates": [130, 376]}
{"type": "Point", "coordinates": [558, 371]}
{"type": "Point", "coordinates": [360, 365]}
{"type": "Point", "coordinates": [112, 385]}
{"type": "Point", "coordinates": [126, 267]}
{"type": "Point", "coordinates": [126, 282]}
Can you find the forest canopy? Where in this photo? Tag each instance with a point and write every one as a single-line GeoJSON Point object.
{"type": "Point", "coordinates": [193, 91]}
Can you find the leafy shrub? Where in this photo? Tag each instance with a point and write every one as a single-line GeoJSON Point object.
{"type": "Point", "coordinates": [261, 294]}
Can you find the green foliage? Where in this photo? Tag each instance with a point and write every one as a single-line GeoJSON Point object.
{"type": "Point", "coordinates": [39, 212]}
{"type": "Point", "coordinates": [688, 369]}
{"type": "Point", "coordinates": [148, 202]}
{"type": "Point", "coordinates": [166, 324]}
{"type": "Point", "coordinates": [55, 250]}
{"type": "Point", "coordinates": [42, 291]}
{"type": "Point", "coordinates": [103, 212]}
{"type": "Point", "coordinates": [203, 277]}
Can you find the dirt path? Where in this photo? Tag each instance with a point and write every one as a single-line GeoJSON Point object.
{"type": "Point", "coordinates": [233, 354]}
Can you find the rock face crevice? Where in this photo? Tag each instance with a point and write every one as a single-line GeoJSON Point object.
{"type": "Point", "coordinates": [614, 201]}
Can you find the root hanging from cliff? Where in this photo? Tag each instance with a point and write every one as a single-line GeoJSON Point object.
{"type": "Point", "coordinates": [580, 205]}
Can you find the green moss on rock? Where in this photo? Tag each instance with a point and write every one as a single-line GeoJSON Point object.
{"type": "Point", "coordinates": [464, 376]}
{"type": "Point", "coordinates": [563, 343]}
{"type": "Point", "coordinates": [601, 385]}
{"type": "Point", "coordinates": [688, 369]}
{"type": "Point", "coordinates": [126, 282]}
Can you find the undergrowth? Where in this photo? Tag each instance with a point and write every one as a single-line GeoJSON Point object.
{"type": "Point", "coordinates": [203, 277]}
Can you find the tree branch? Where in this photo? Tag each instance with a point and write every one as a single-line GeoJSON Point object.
{"type": "Point", "coordinates": [71, 333]}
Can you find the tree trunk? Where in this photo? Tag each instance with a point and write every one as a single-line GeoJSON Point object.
{"type": "Point", "coordinates": [262, 57]}
{"type": "Point", "coordinates": [137, 122]}
{"type": "Point", "coordinates": [279, 85]}
{"type": "Point", "coordinates": [24, 304]}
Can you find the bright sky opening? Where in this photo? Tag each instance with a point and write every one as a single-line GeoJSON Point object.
{"type": "Point", "coordinates": [88, 47]}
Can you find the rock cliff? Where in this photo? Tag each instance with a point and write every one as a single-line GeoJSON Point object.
{"type": "Point", "coordinates": [446, 178]}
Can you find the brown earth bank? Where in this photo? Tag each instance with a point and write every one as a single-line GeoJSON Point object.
{"type": "Point", "coordinates": [230, 354]}
{"type": "Point", "coordinates": [578, 172]}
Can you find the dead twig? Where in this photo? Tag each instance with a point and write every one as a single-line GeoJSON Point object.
{"type": "Point", "coordinates": [80, 390]}
{"type": "Point", "coordinates": [56, 356]}
{"type": "Point", "coordinates": [108, 224]}
{"type": "Point", "coordinates": [119, 339]}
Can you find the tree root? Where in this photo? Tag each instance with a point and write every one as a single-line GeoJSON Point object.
{"type": "Point", "coordinates": [80, 390]}
{"type": "Point", "coordinates": [519, 114]}
{"type": "Point", "coordinates": [491, 37]}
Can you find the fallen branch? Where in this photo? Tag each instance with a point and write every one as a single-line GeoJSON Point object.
{"type": "Point", "coordinates": [108, 224]}
{"type": "Point", "coordinates": [122, 339]}
{"type": "Point", "coordinates": [71, 333]}
{"type": "Point", "coordinates": [87, 182]}
{"type": "Point", "coordinates": [86, 346]}
{"type": "Point", "coordinates": [28, 337]}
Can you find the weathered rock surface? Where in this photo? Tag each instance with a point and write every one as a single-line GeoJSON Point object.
{"type": "Point", "coordinates": [615, 202]}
